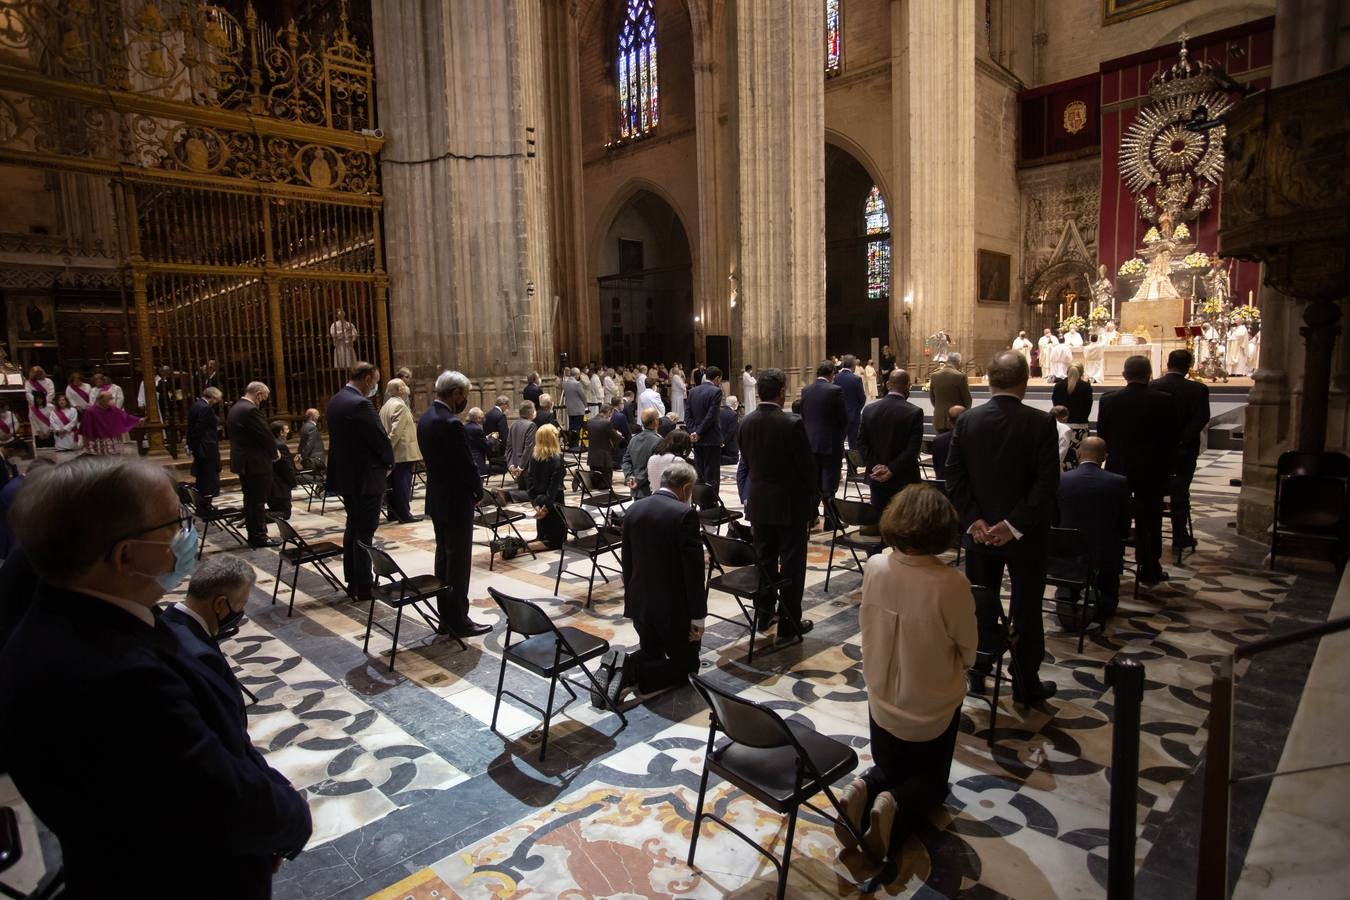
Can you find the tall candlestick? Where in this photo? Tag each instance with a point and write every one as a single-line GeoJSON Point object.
{"type": "Point", "coordinates": [1249, 298]}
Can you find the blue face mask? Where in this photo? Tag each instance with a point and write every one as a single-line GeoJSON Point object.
{"type": "Point", "coordinates": [184, 547]}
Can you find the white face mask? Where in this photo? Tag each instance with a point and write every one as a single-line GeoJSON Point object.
{"type": "Point", "coordinates": [374, 389]}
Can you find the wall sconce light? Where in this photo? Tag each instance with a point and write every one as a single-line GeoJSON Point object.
{"type": "Point", "coordinates": [697, 319]}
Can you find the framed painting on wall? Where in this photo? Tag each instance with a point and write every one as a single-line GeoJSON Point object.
{"type": "Point", "coordinates": [32, 318]}
{"type": "Point", "coordinates": [1119, 10]}
{"type": "Point", "coordinates": [994, 270]}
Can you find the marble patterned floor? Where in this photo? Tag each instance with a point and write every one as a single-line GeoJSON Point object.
{"type": "Point", "coordinates": [415, 796]}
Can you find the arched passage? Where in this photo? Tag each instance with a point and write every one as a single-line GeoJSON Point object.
{"type": "Point", "coordinates": [857, 307]}
{"type": "Point", "coordinates": [646, 289]}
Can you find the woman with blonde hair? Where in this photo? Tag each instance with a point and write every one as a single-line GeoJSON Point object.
{"type": "Point", "coordinates": [401, 425]}
{"type": "Point", "coordinates": [918, 638]}
{"type": "Point", "coordinates": [1074, 393]}
{"type": "Point", "coordinates": [544, 480]}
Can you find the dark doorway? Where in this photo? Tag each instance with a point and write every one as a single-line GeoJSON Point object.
{"type": "Point", "coordinates": [646, 293]}
{"type": "Point", "coordinates": [857, 257]}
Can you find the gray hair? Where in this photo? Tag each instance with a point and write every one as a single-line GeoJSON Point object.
{"type": "Point", "coordinates": [450, 381]}
{"type": "Point", "coordinates": [733, 402]}
{"type": "Point", "coordinates": [503, 401]}
{"type": "Point", "coordinates": [678, 474]}
{"type": "Point", "coordinates": [219, 574]}
{"type": "Point", "coordinates": [575, 371]}
{"type": "Point", "coordinates": [954, 360]}
{"type": "Point", "coordinates": [396, 388]}
{"type": "Point", "coordinates": [257, 387]}
{"type": "Point", "coordinates": [212, 393]}
{"type": "Point", "coordinates": [51, 515]}
{"type": "Point", "coordinates": [526, 410]}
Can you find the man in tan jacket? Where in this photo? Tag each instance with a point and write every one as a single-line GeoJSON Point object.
{"type": "Point", "coordinates": [401, 425]}
{"type": "Point", "coordinates": [948, 387]}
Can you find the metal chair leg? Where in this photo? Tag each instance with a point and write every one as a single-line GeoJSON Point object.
{"type": "Point", "coordinates": [548, 715]}
{"type": "Point", "coordinates": [398, 623]}
{"type": "Point", "coordinates": [501, 681]}
{"type": "Point", "coordinates": [698, 813]}
{"type": "Point", "coordinates": [787, 854]}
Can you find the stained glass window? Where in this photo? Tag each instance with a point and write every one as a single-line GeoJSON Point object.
{"type": "Point", "coordinates": [636, 66]}
{"type": "Point", "coordinates": [877, 222]}
{"type": "Point", "coordinates": [833, 37]}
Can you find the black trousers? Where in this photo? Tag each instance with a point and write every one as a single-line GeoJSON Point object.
{"type": "Point", "coordinates": [207, 474]}
{"type": "Point", "coordinates": [454, 560]}
{"type": "Point", "coordinates": [783, 550]}
{"type": "Point", "coordinates": [665, 658]}
{"type": "Point", "coordinates": [400, 495]}
{"type": "Point", "coordinates": [1026, 571]}
{"type": "Point", "coordinates": [1183, 473]}
{"type": "Point", "coordinates": [882, 492]}
{"type": "Point", "coordinates": [363, 517]}
{"type": "Point", "coordinates": [827, 473]}
{"type": "Point", "coordinates": [708, 463]}
{"type": "Point", "coordinates": [915, 772]}
{"type": "Point", "coordinates": [256, 489]}
{"type": "Point", "coordinates": [1148, 509]}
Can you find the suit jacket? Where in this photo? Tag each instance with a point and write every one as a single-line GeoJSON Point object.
{"type": "Point", "coordinates": [520, 442]}
{"type": "Point", "coordinates": [453, 485]}
{"type": "Point", "coordinates": [547, 417]}
{"type": "Point", "coordinates": [174, 758]}
{"type": "Point", "coordinates": [359, 452]}
{"type": "Point", "coordinates": [400, 423]}
{"type": "Point", "coordinates": [780, 468]}
{"type": "Point", "coordinates": [601, 441]}
{"type": "Point", "coordinates": [531, 393]}
{"type": "Point", "coordinates": [948, 388]}
{"type": "Point", "coordinates": [700, 414]}
{"type": "Point", "coordinates": [1141, 427]}
{"type": "Point", "coordinates": [203, 433]}
{"type": "Point", "coordinates": [890, 434]}
{"type": "Point", "coordinates": [624, 432]}
{"type": "Point", "coordinates": [311, 444]}
{"type": "Point", "coordinates": [825, 416]}
{"type": "Point", "coordinates": [284, 477]}
{"type": "Point", "coordinates": [252, 445]}
{"type": "Point", "coordinates": [663, 564]}
{"type": "Point", "coordinates": [574, 397]}
{"type": "Point", "coordinates": [730, 424]}
{"type": "Point", "coordinates": [1097, 503]}
{"type": "Point", "coordinates": [640, 449]}
{"type": "Point", "coordinates": [630, 412]}
{"type": "Point", "coordinates": [855, 398]}
{"type": "Point", "coordinates": [494, 422]}
{"type": "Point", "coordinates": [1192, 400]}
{"type": "Point", "coordinates": [1004, 464]}
{"type": "Point", "coordinates": [477, 438]}
{"type": "Point", "coordinates": [941, 446]}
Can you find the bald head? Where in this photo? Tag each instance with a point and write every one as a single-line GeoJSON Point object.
{"type": "Point", "coordinates": [1008, 373]}
{"type": "Point", "coordinates": [954, 412]}
{"type": "Point", "coordinates": [898, 381]}
{"type": "Point", "coordinates": [1093, 450]}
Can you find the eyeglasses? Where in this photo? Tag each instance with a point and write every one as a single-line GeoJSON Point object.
{"type": "Point", "coordinates": [183, 521]}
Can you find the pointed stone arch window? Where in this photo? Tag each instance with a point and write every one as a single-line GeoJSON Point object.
{"type": "Point", "coordinates": [635, 64]}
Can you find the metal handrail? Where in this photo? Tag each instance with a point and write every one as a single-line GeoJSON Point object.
{"type": "Point", "coordinates": [1212, 876]}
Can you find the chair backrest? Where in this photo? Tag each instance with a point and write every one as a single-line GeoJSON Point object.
{"type": "Point", "coordinates": [744, 721]}
{"type": "Point", "coordinates": [522, 616]}
{"type": "Point", "coordinates": [1313, 501]}
{"type": "Point", "coordinates": [853, 513]}
{"type": "Point", "coordinates": [382, 562]}
{"type": "Point", "coordinates": [594, 481]}
{"type": "Point", "coordinates": [1068, 544]}
{"type": "Point", "coordinates": [575, 519]}
{"type": "Point", "coordinates": [187, 494]}
{"type": "Point", "coordinates": [855, 461]}
{"type": "Point", "coordinates": [287, 531]}
{"type": "Point", "coordinates": [705, 496]}
{"type": "Point", "coordinates": [1330, 464]}
{"type": "Point", "coordinates": [729, 552]}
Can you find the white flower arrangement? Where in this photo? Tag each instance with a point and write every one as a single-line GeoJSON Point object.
{"type": "Point", "coordinates": [1151, 236]}
{"type": "Point", "coordinates": [1181, 232]}
{"type": "Point", "coordinates": [1072, 323]}
{"type": "Point", "coordinates": [1196, 260]}
{"type": "Point", "coordinates": [1135, 266]}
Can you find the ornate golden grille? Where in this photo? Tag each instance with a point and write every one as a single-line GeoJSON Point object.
{"type": "Point", "coordinates": [244, 168]}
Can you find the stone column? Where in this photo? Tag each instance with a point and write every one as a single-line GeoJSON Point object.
{"type": "Point", "coordinates": [781, 184]}
{"type": "Point", "coordinates": [467, 200]}
{"type": "Point", "coordinates": [935, 144]}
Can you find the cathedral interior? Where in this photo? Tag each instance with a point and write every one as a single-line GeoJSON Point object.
{"type": "Point", "coordinates": [508, 187]}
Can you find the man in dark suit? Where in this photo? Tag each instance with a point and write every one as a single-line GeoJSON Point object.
{"type": "Point", "coordinates": [1192, 400]}
{"type": "Point", "coordinates": [781, 500]}
{"type": "Point", "coordinates": [705, 428]}
{"type": "Point", "coordinates": [494, 423]}
{"type": "Point", "coordinates": [1141, 427]}
{"type": "Point", "coordinates": [855, 397]}
{"type": "Point", "coordinates": [889, 436]}
{"type": "Point", "coordinates": [532, 390]}
{"type": "Point", "coordinates": [203, 443]}
{"type": "Point", "coordinates": [1097, 503]}
{"type": "Point", "coordinates": [730, 422]}
{"type": "Point", "coordinates": [253, 449]}
{"type": "Point", "coordinates": [942, 444]}
{"type": "Point", "coordinates": [359, 461]}
{"type": "Point", "coordinates": [173, 756]}
{"type": "Point", "coordinates": [663, 586]}
{"type": "Point", "coordinates": [630, 410]}
{"type": "Point", "coordinates": [453, 489]}
{"type": "Point", "coordinates": [826, 420]}
{"type": "Point", "coordinates": [208, 376]}
{"type": "Point", "coordinates": [1002, 475]}
{"type": "Point", "coordinates": [948, 387]}
{"type": "Point", "coordinates": [623, 429]}
{"type": "Point", "coordinates": [602, 439]}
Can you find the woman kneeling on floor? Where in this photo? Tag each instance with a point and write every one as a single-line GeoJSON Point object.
{"type": "Point", "coordinates": [918, 639]}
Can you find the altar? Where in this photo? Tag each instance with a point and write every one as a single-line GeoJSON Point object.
{"type": "Point", "coordinates": [1115, 355]}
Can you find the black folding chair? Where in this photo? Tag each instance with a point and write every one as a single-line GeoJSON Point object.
{"type": "Point", "coordinates": [854, 514]}
{"type": "Point", "coordinates": [712, 512]}
{"type": "Point", "coordinates": [780, 764]}
{"type": "Point", "coordinates": [1312, 503]}
{"type": "Point", "coordinates": [597, 495]}
{"type": "Point", "coordinates": [743, 577]}
{"type": "Point", "coordinates": [491, 513]}
{"type": "Point", "coordinates": [1069, 565]}
{"type": "Point", "coordinates": [311, 479]}
{"type": "Point", "coordinates": [298, 552]}
{"type": "Point", "coordinates": [994, 642]}
{"type": "Point", "coordinates": [547, 651]}
{"type": "Point", "coordinates": [11, 851]}
{"type": "Point", "coordinates": [604, 540]}
{"type": "Point", "coordinates": [400, 591]}
{"type": "Point", "coordinates": [225, 518]}
{"type": "Point", "coordinates": [855, 473]}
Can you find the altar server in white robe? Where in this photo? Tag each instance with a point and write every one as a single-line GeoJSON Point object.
{"type": "Point", "coordinates": [1061, 357]}
{"type": "Point", "coordinates": [748, 382]}
{"type": "Point", "coordinates": [1094, 362]}
{"type": "Point", "coordinates": [1073, 339]}
{"type": "Point", "coordinates": [1022, 344]}
{"type": "Point", "coordinates": [678, 392]}
{"type": "Point", "coordinates": [65, 422]}
{"type": "Point", "coordinates": [1237, 350]}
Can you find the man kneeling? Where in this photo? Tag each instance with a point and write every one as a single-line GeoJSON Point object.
{"type": "Point", "coordinates": [663, 588]}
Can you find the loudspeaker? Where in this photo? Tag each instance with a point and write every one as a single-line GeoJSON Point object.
{"type": "Point", "coordinates": [717, 352]}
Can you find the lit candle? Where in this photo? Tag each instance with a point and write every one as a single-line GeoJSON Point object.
{"type": "Point", "coordinates": [1249, 298]}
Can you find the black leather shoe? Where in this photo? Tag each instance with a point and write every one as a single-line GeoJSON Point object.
{"type": "Point", "coordinates": [410, 520]}
{"type": "Point", "coordinates": [469, 628]}
{"type": "Point", "coordinates": [764, 621]}
{"type": "Point", "coordinates": [1046, 690]}
{"type": "Point", "coordinates": [976, 683]}
{"type": "Point", "coordinates": [262, 545]}
{"type": "Point", "coordinates": [788, 634]}
{"type": "Point", "coordinates": [1187, 542]}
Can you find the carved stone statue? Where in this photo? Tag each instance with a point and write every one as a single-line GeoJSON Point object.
{"type": "Point", "coordinates": [1216, 281]}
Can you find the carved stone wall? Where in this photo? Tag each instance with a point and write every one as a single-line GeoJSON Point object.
{"type": "Point", "coordinates": [1054, 198]}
